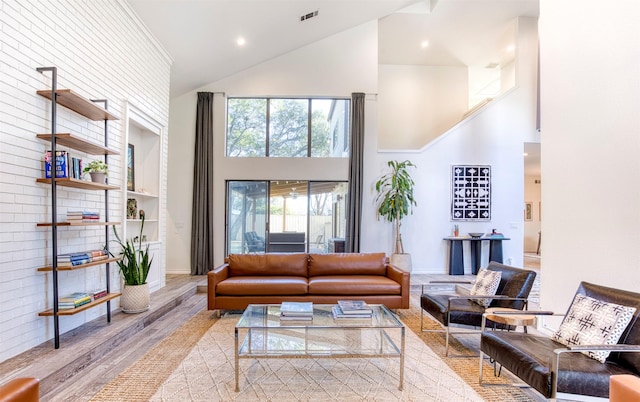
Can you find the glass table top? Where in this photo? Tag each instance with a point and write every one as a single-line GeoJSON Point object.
{"type": "Point", "coordinates": [268, 316]}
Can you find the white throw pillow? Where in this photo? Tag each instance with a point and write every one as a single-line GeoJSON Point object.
{"type": "Point", "coordinates": [593, 322]}
{"type": "Point", "coordinates": [486, 284]}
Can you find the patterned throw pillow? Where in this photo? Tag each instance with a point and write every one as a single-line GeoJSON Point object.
{"type": "Point", "coordinates": [486, 284]}
{"type": "Point", "coordinates": [593, 322]}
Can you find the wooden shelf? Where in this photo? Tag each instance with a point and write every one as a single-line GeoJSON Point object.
{"type": "Point", "coordinates": [137, 194]}
{"type": "Point", "coordinates": [82, 308]}
{"type": "Point", "coordinates": [79, 223]}
{"type": "Point", "coordinates": [78, 104]}
{"type": "Point", "coordinates": [81, 266]}
{"type": "Point", "coordinates": [79, 144]}
{"type": "Point", "coordinates": [76, 183]}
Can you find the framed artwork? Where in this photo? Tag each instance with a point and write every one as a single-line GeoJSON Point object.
{"type": "Point", "coordinates": [528, 211]}
{"type": "Point", "coordinates": [471, 193]}
{"type": "Point", "coordinates": [131, 185]}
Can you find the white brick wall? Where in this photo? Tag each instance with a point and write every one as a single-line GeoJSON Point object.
{"type": "Point", "coordinates": [100, 52]}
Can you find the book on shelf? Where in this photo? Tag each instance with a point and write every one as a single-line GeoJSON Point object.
{"type": "Point", "coordinates": [74, 300]}
{"type": "Point", "coordinates": [82, 216]}
{"type": "Point", "coordinates": [339, 314]}
{"type": "Point", "coordinates": [296, 310]}
{"type": "Point", "coordinates": [67, 166]}
{"type": "Point", "coordinates": [70, 305]}
{"type": "Point", "coordinates": [354, 307]}
{"type": "Point", "coordinates": [98, 293]}
{"type": "Point", "coordinates": [62, 169]}
{"type": "Point", "coordinates": [74, 259]}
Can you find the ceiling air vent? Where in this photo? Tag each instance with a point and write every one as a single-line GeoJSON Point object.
{"type": "Point", "coordinates": [492, 65]}
{"type": "Point", "coordinates": [309, 15]}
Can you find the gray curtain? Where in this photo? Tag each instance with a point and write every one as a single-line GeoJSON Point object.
{"type": "Point", "coordinates": [202, 213]}
{"type": "Point", "coordinates": [354, 206]}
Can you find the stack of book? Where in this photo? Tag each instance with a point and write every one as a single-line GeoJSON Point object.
{"type": "Point", "coordinates": [96, 294]}
{"type": "Point", "coordinates": [83, 216]}
{"type": "Point", "coordinates": [73, 300]}
{"type": "Point", "coordinates": [73, 259]}
{"type": "Point", "coordinates": [66, 165]}
{"type": "Point", "coordinates": [296, 311]}
{"type": "Point", "coordinates": [352, 309]}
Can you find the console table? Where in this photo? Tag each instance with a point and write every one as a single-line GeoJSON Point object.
{"type": "Point", "coordinates": [456, 254]}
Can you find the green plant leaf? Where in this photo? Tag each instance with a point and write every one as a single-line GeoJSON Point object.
{"type": "Point", "coordinates": [135, 262]}
{"type": "Point", "coordinates": [395, 198]}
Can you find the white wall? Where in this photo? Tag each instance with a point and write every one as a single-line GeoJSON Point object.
{"type": "Point", "coordinates": [336, 66]}
{"type": "Point", "coordinates": [420, 103]}
{"type": "Point", "coordinates": [590, 95]}
{"type": "Point", "coordinates": [100, 52]}
{"type": "Point", "coordinates": [493, 137]}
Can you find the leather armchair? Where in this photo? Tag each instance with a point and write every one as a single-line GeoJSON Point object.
{"type": "Point", "coordinates": [513, 292]}
{"type": "Point", "coordinates": [24, 389]}
{"type": "Point", "coordinates": [552, 368]}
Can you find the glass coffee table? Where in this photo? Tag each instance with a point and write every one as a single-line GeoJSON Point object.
{"type": "Point", "coordinates": [267, 336]}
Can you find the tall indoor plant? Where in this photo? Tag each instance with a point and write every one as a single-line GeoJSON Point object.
{"type": "Point", "coordinates": [395, 201]}
{"type": "Point", "coordinates": [134, 267]}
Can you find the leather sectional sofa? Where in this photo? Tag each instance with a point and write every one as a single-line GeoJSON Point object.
{"type": "Point", "coordinates": [320, 278]}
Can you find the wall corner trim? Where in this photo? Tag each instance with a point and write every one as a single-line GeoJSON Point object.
{"type": "Point", "coordinates": [144, 29]}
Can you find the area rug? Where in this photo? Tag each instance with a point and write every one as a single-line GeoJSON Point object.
{"type": "Point", "coordinates": [207, 374]}
{"type": "Point", "coordinates": [195, 363]}
{"type": "Point", "coordinates": [141, 380]}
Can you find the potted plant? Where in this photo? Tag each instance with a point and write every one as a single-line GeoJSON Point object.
{"type": "Point", "coordinates": [98, 171]}
{"type": "Point", "coordinates": [134, 267]}
{"type": "Point", "coordinates": [395, 201]}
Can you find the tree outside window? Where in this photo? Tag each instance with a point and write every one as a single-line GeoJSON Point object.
{"type": "Point", "coordinates": [290, 130]}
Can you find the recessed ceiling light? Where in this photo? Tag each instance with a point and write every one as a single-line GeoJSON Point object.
{"type": "Point", "coordinates": [241, 41]}
{"type": "Point", "coordinates": [511, 48]}
{"type": "Point", "coordinates": [424, 44]}
{"type": "Point", "coordinates": [525, 154]}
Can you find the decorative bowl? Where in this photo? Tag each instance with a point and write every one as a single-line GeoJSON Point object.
{"type": "Point", "coordinates": [476, 235]}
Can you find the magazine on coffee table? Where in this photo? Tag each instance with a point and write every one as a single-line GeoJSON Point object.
{"type": "Point", "coordinates": [338, 314]}
{"type": "Point", "coordinates": [296, 311]}
{"type": "Point", "coordinates": [354, 307]}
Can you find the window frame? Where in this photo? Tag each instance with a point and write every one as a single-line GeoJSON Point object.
{"type": "Point", "coordinates": [309, 100]}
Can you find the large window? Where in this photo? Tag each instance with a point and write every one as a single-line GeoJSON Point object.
{"type": "Point", "coordinates": [292, 128]}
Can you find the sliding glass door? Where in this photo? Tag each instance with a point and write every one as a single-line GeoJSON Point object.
{"type": "Point", "coordinates": [246, 217]}
{"type": "Point", "coordinates": [303, 216]}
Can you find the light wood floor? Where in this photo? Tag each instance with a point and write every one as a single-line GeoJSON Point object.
{"type": "Point", "coordinates": [92, 355]}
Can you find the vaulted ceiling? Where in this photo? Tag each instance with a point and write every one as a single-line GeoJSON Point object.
{"type": "Point", "coordinates": [200, 35]}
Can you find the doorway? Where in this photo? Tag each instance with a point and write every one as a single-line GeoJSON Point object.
{"type": "Point", "coordinates": [284, 216]}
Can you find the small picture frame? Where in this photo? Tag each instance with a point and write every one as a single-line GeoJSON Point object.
{"type": "Point", "coordinates": [131, 184]}
{"type": "Point", "coordinates": [528, 211]}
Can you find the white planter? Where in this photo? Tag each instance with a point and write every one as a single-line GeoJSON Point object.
{"type": "Point", "coordinates": [98, 177]}
{"type": "Point", "coordinates": [135, 299]}
{"type": "Point", "coordinates": [402, 261]}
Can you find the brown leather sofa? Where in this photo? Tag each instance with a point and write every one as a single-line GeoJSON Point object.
{"type": "Point", "coordinates": [25, 389]}
{"type": "Point", "coordinates": [551, 367]}
{"type": "Point", "coordinates": [320, 278]}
